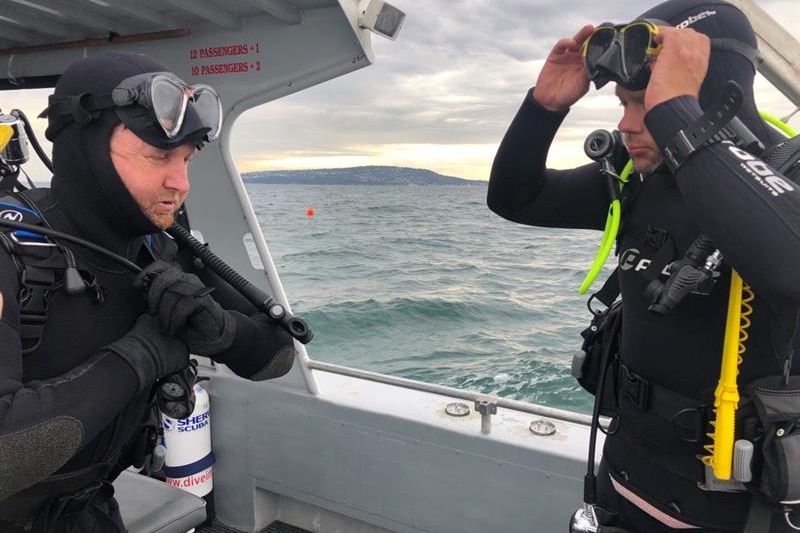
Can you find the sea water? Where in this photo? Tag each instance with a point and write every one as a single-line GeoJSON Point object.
{"type": "Point", "coordinates": [426, 283]}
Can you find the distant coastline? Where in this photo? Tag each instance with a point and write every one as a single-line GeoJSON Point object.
{"type": "Point", "coordinates": [367, 175]}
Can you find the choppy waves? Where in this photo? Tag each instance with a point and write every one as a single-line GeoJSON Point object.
{"type": "Point", "coordinates": [426, 283]}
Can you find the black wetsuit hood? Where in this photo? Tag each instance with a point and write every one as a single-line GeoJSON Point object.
{"type": "Point", "coordinates": [720, 20]}
{"type": "Point", "coordinates": [86, 187]}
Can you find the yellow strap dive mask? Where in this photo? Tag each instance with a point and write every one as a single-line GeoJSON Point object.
{"type": "Point", "coordinates": [621, 53]}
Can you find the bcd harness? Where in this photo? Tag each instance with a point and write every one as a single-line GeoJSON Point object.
{"type": "Point", "coordinates": [43, 267]}
{"type": "Point", "coordinates": [664, 413]}
{"type": "Point", "coordinates": [640, 392]}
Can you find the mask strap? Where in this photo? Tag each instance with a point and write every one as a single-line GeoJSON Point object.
{"type": "Point", "coordinates": [743, 49]}
{"type": "Point", "coordinates": [81, 107]}
{"type": "Point", "coordinates": [62, 110]}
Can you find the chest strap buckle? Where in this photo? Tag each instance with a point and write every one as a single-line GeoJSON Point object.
{"type": "Point", "coordinates": [634, 388]}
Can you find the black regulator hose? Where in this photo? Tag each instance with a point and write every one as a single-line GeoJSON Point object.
{"type": "Point", "coordinates": [33, 140]}
{"type": "Point", "coordinates": [296, 327]}
{"type": "Point", "coordinates": [60, 235]}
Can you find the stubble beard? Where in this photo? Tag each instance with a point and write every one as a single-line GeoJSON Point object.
{"type": "Point", "coordinates": [648, 166]}
{"type": "Point", "coordinates": [159, 219]}
{"type": "Point", "coordinates": [162, 221]}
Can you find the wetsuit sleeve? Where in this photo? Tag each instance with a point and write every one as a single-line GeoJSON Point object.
{"type": "Point", "coordinates": [43, 423]}
{"type": "Point", "coordinates": [751, 212]}
{"type": "Point", "coordinates": [522, 189]}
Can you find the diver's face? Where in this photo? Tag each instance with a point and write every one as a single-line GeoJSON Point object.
{"type": "Point", "coordinates": [157, 179]}
{"type": "Point", "coordinates": [642, 149]}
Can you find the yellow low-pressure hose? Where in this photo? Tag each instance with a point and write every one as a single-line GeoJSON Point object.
{"type": "Point", "coordinates": [726, 397]}
{"type": "Point", "coordinates": [609, 233]}
{"type": "Point", "coordinates": [778, 123]}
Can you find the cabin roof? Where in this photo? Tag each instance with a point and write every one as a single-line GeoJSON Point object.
{"type": "Point", "coordinates": [36, 34]}
{"type": "Point", "coordinates": [38, 23]}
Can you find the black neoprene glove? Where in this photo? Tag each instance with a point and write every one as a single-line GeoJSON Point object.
{"type": "Point", "coordinates": [184, 308]}
{"type": "Point", "coordinates": [262, 349]}
{"type": "Point", "coordinates": [151, 354]}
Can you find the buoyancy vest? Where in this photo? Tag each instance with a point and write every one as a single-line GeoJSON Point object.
{"type": "Point", "coordinates": [43, 266]}
{"type": "Point", "coordinates": [687, 418]}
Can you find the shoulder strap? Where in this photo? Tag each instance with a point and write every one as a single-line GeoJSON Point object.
{"type": "Point", "coordinates": [610, 289]}
{"type": "Point", "coordinates": [40, 264]}
{"type": "Point", "coordinates": [15, 210]}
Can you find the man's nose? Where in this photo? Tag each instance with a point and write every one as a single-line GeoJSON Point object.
{"type": "Point", "coordinates": [630, 122]}
{"type": "Point", "coordinates": [177, 177]}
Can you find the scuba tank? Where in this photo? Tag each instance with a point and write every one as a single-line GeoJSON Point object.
{"type": "Point", "coordinates": [189, 462]}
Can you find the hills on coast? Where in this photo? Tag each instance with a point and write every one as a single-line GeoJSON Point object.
{"type": "Point", "coordinates": [366, 175]}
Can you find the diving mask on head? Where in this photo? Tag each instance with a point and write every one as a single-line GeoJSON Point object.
{"type": "Point", "coordinates": [159, 107]}
{"type": "Point", "coordinates": [621, 53]}
{"type": "Point", "coordinates": [168, 98]}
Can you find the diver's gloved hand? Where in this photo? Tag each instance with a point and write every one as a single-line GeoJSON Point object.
{"type": "Point", "coordinates": [282, 346]}
{"type": "Point", "coordinates": [150, 353]}
{"type": "Point", "coordinates": [184, 308]}
{"type": "Point", "coordinates": [262, 350]}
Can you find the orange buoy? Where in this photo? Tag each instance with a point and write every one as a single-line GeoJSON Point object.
{"type": "Point", "coordinates": [310, 212]}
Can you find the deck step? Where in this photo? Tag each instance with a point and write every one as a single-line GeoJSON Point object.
{"type": "Point", "coordinates": [216, 527]}
{"type": "Point", "coordinates": [280, 527]}
{"type": "Point", "coordinates": [274, 527]}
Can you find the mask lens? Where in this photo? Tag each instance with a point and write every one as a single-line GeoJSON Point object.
{"type": "Point", "coordinates": [206, 104]}
{"type": "Point", "coordinates": [168, 105]}
{"type": "Point", "coordinates": [636, 46]}
{"type": "Point", "coordinates": [598, 43]}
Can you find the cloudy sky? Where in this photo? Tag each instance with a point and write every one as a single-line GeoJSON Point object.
{"type": "Point", "coordinates": [441, 95]}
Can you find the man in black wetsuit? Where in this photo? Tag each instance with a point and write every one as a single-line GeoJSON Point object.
{"type": "Point", "coordinates": [74, 395]}
{"type": "Point", "coordinates": [650, 476]}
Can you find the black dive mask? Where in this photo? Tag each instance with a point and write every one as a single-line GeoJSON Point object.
{"type": "Point", "coordinates": [621, 53]}
{"type": "Point", "coordinates": [159, 107]}
{"type": "Point", "coordinates": [168, 98]}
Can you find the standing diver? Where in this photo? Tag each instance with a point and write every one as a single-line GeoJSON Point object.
{"type": "Point", "coordinates": [85, 342]}
{"type": "Point", "coordinates": [670, 65]}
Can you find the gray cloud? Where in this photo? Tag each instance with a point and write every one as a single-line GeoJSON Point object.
{"type": "Point", "coordinates": [456, 74]}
